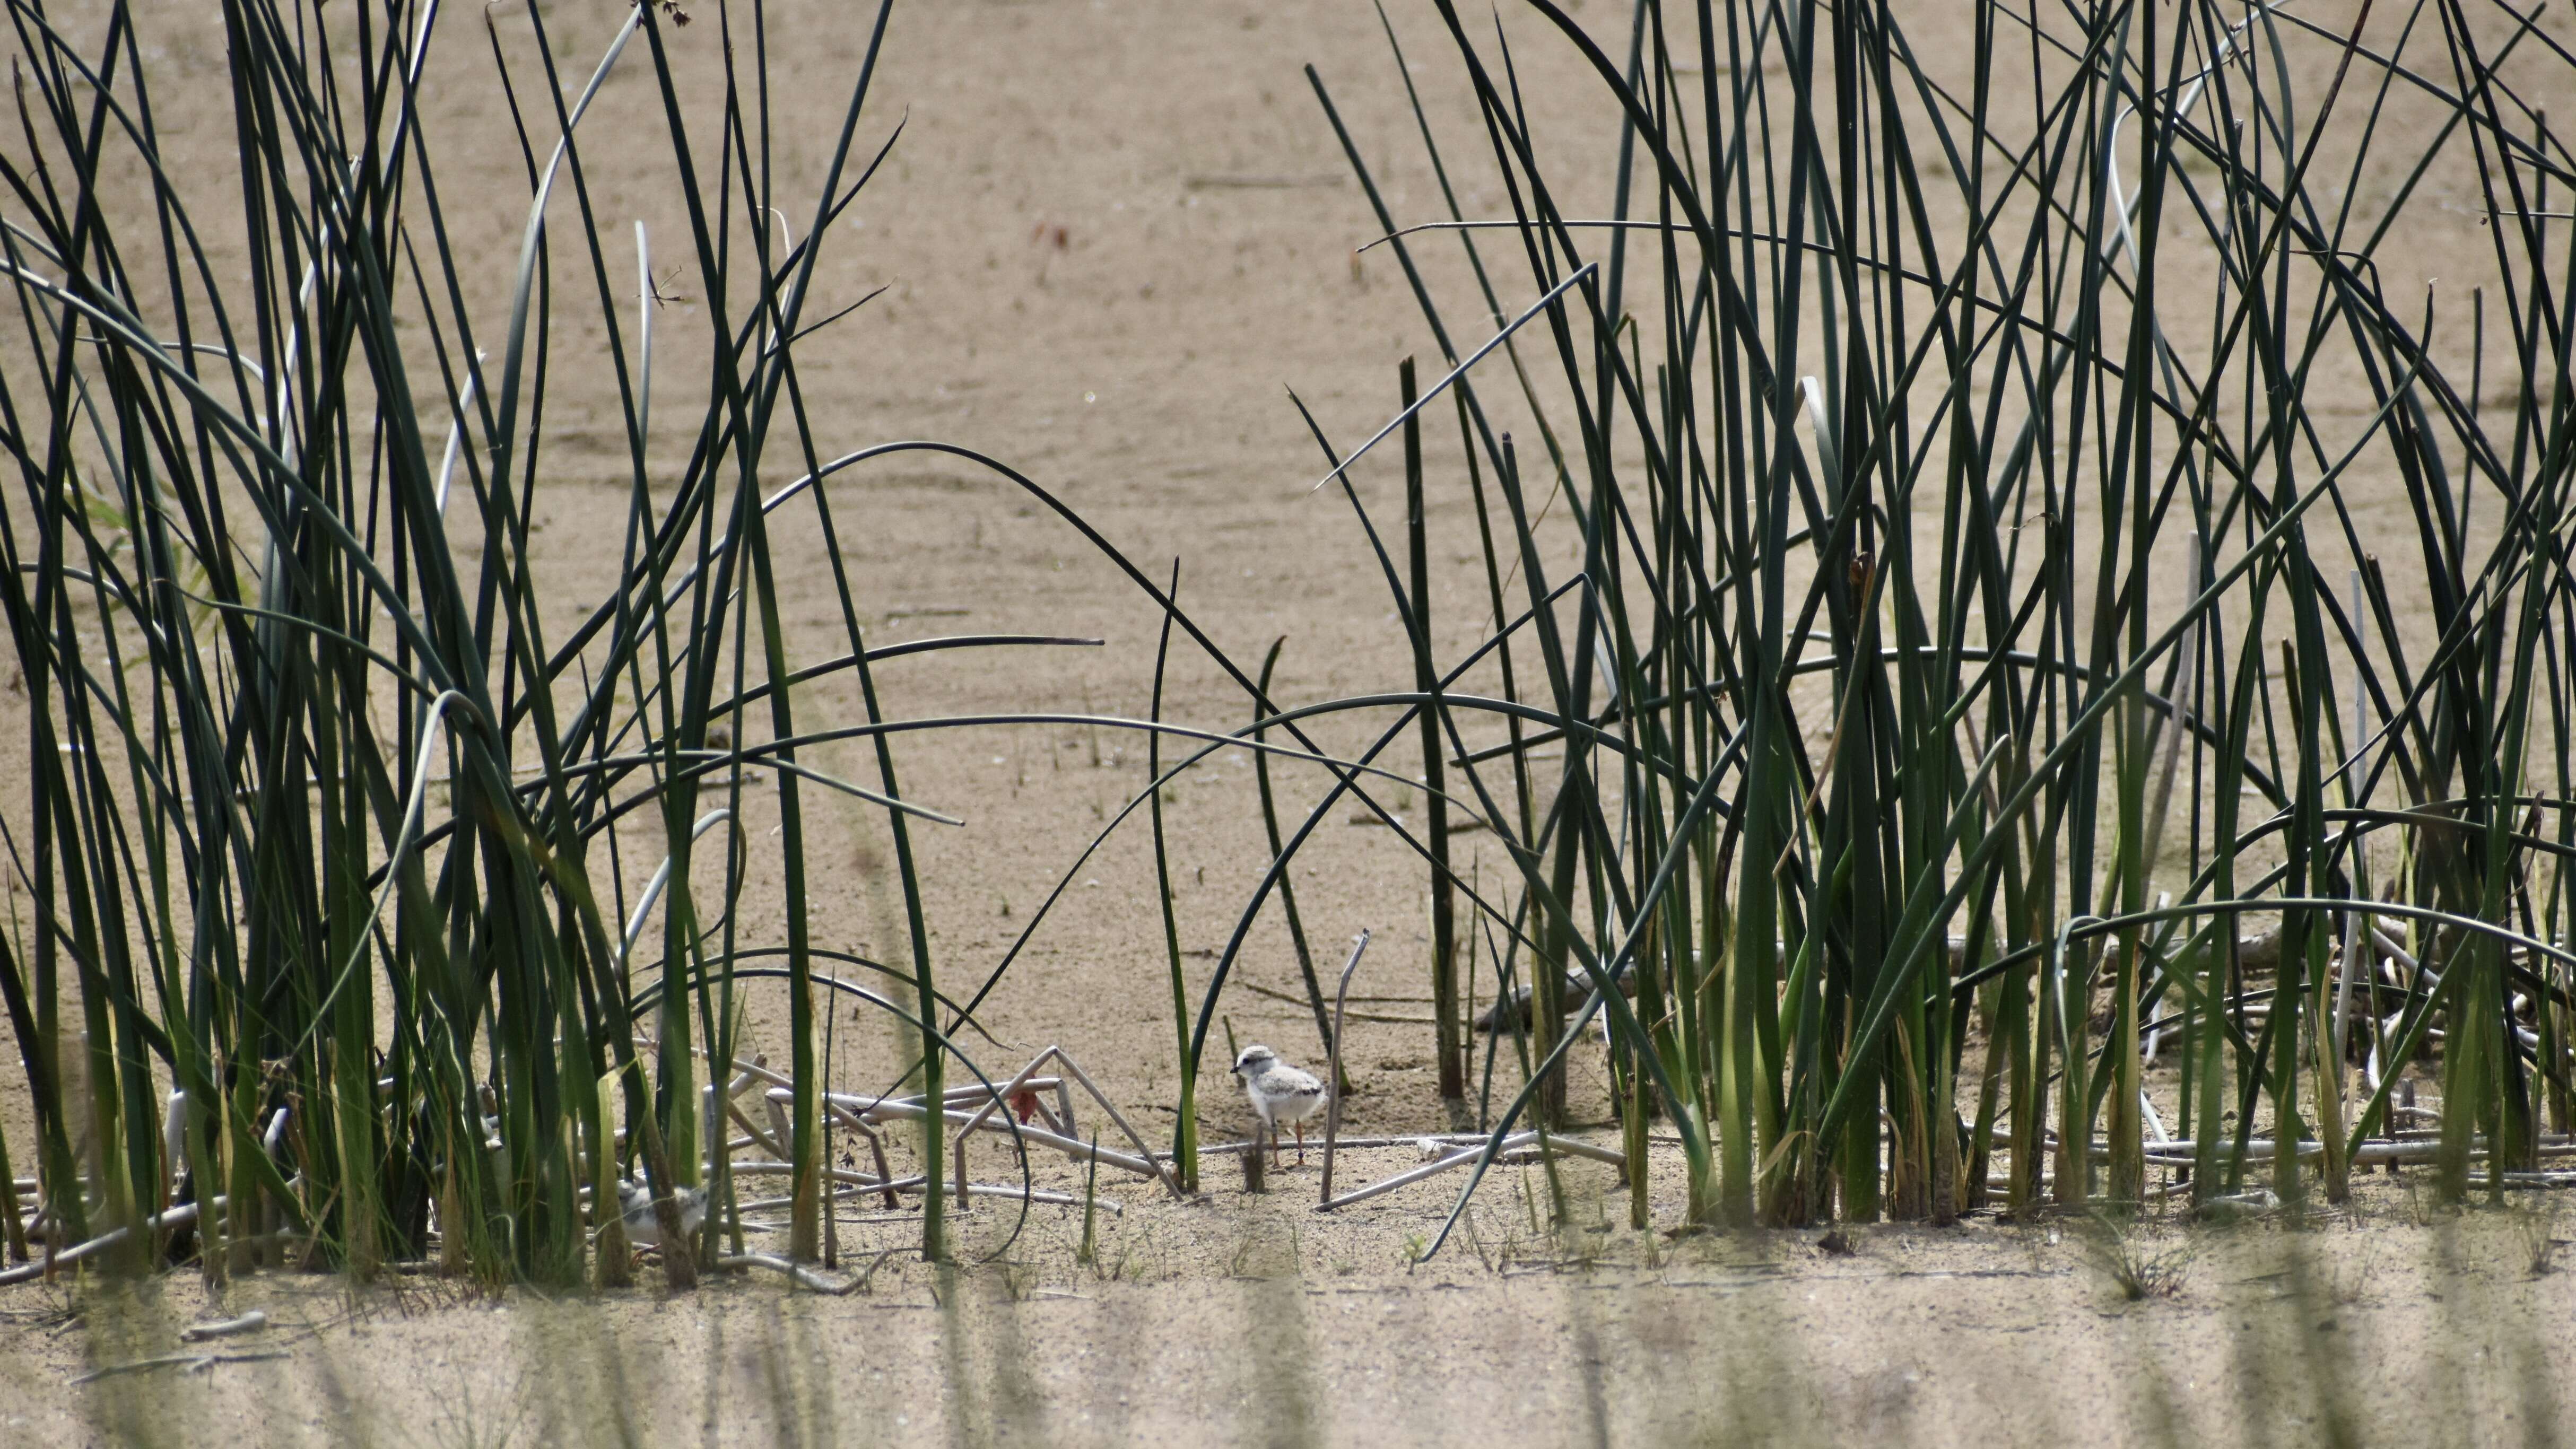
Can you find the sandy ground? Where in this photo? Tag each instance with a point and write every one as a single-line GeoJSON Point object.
{"type": "Point", "coordinates": [1254, 1321]}
{"type": "Point", "coordinates": [1112, 232]}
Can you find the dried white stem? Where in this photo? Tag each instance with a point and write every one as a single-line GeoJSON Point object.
{"type": "Point", "coordinates": [251, 1322]}
{"type": "Point", "coordinates": [796, 1272]}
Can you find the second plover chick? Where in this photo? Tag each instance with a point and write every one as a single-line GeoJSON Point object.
{"type": "Point", "coordinates": [643, 1227]}
{"type": "Point", "coordinates": [1279, 1093]}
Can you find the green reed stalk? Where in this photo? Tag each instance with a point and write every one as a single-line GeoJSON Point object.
{"type": "Point", "coordinates": [1450, 1029]}
{"type": "Point", "coordinates": [1287, 888]}
{"type": "Point", "coordinates": [1185, 1133]}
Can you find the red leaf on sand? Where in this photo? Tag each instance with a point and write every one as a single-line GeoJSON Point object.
{"type": "Point", "coordinates": [1025, 1102]}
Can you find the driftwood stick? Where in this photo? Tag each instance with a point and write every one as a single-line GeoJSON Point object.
{"type": "Point", "coordinates": [955, 1098]}
{"type": "Point", "coordinates": [251, 1322]}
{"type": "Point", "coordinates": [776, 1168]}
{"type": "Point", "coordinates": [796, 1273]}
{"type": "Point", "coordinates": [2179, 1154]}
{"type": "Point", "coordinates": [1552, 1143]}
{"type": "Point", "coordinates": [776, 1146]}
{"type": "Point", "coordinates": [1333, 1078]}
{"type": "Point", "coordinates": [915, 1183]}
{"type": "Point", "coordinates": [1516, 1143]}
{"type": "Point", "coordinates": [1144, 1148]}
{"type": "Point", "coordinates": [1064, 1104]}
{"type": "Point", "coordinates": [1024, 1082]}
{"type": "Point", "coordinates": [1459, 1158]}
{"type": "Point", "coordinates": [1034, 1194]}
{"type": "Point", "coordinates": [193, 1362]}
{"type": "Point", "coordinates": [876, 1150]}
{"type": "Point", "coordinates": [1080, 1151]}
{"type": "Point", "coordinates": [876, 1143]}
{"type": "Point", "coordinates": [838, 1194]}
{"type": "Point", "coordinates": [1442, 1139]}
{"type": "Point", "coordinates": [179, 1216]}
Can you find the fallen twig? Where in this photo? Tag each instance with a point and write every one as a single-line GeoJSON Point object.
{"type": "Point", "coordinates": [796, 1272]}
{"type": "Point", "coordinates": [195, 1363]}
{"type": "Point", "coordinates": [251, 1322]}
{"type": "Point", "coordinates": [1517, 1142]}
{"type": "Point", "coordinates": [915, 1183]}
{"type": "Point", "coordinates": [1030, 1082]}
{"type": "Point", "coordinates": [179, 1216]}
{"type": "Point", "coordinates": [1333, 1102]}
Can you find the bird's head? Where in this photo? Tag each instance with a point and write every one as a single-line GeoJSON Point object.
{"type": "Point", "coordinates": [1254, 1060]}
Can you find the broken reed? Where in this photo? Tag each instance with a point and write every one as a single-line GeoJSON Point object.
{"type": "Point", "coordinates": [1867, 414]}
{"type": "Point", "coordinates": [272, 611]}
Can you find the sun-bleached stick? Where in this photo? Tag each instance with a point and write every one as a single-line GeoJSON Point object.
{"type": "Point", "coordinates": [1028, 1081]}
{"type": "Point", "coordinates": [194, 1362]}
{"type": "Point", "coordinates": [915, 1183]}
{"type": "Point", "coordinates": [796, 1272]}
{"type": "Point", "coordinates": [180, 1216]}
{"type": "Point", "coordinates": [251, 1322]}
{"type": "Point", "coordinates": [913, 1111]}
{"type": "Point", "coordinates": [1517, 1142]}
{"type": "Point", "coordinates": [1333, 1073]}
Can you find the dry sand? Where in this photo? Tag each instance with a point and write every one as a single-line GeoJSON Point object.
{"type": "Point", "coordinates": [1255, 1321]}
{"type": "Point", "coordinates": [1112, 232]}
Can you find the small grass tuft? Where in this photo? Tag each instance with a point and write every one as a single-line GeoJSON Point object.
{"type": "Point", "coordinates": [2135, 1270]}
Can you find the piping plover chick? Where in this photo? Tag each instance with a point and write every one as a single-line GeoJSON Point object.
{"type": "Point", "coordinates": [643, 1228]}
{"type": "Point", "coordinates": [1279, 1093]}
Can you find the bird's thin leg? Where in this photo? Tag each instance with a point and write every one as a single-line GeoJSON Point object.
{"type": "Point", "coordinates": [1301, 1144]}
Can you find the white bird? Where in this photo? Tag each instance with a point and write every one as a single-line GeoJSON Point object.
{"type": "Point", "coordinates": [643, 1229]}
{"type": "Point", "coordinates": [1279, 1093]}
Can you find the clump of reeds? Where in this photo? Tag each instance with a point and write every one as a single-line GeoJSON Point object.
{"type": "Point", "coordinates": [2014, 591]}
{"type": "Point", "coordinates": [309, 748]}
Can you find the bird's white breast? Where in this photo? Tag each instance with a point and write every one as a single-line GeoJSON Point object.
{"type": "Point", "coordinates": [1287, 1092]}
